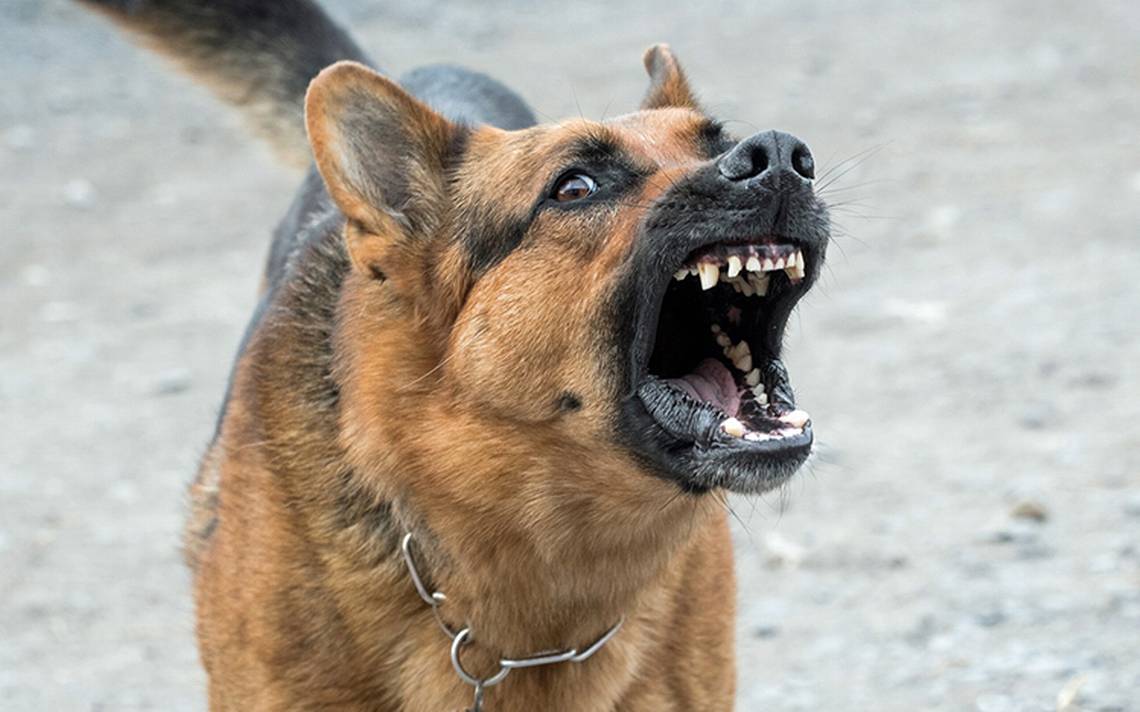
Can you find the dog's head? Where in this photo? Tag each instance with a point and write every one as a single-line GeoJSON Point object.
{"type": "Point", "coordinates": [575, 305]}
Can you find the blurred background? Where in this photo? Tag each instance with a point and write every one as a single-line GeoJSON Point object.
{"type": "Point", "coordinates": [968, 537]}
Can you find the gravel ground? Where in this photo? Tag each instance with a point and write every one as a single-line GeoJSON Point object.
{"type": "Point", "coordinates": [968, 537]}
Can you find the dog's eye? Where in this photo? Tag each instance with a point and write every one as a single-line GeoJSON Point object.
{"type": "Point", "coordinates": [575, 187]}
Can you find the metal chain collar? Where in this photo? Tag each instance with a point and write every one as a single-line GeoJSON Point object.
{"type": "Point", "coordinates": [462, 637]}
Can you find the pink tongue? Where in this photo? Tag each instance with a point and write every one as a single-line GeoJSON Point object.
{"type": "Point", "coordinates": [712, 383]}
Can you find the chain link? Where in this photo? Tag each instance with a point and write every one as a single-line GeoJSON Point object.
{"type": "Point", "coordinates": [463, 637]}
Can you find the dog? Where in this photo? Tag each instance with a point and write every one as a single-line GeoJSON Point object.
{"type": "Point", "coordinates": [475, 444]}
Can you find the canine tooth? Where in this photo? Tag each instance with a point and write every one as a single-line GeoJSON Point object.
{"type": "Point", "coordinates": [722, 340]}
{"type": "Point", "coordinates": [733, 427]}
{"type": "Point", "coordinates": [734, 266]}
{"type": "Point", "coordinates": [768, 265]}
{"type": "Point", "coordinates": [797, 272]}
{"type": "Point", "coordinates": [753, 264]}
{"type": "Point", "coordinates": [792, 259]}
{"type": "Point", "coordinates": [680, 274]}
{"type": "Point", "coordinates": [796, 418]}
{"type": "Point", "coordinates": [752, 378]}
{"type": "Point", "coordinates": [710, 274]}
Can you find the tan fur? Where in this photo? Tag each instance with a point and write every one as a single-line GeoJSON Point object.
{"type": "Point", "coordinates": [540, 529]}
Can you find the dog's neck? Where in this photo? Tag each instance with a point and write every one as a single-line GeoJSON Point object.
{"type": "Point", "coordinates": [517, 602]}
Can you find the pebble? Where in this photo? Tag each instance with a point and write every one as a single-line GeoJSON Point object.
{"type": "Point", "coordinates": [783, 551]}
{"type": "Point", "coordinates": [1030, 510]}
{"type": "Point", "coordinates": [765, 631]}
{"type": "Point", "coordinates": [990, 619]}
{"type": "Point", "coordinates": [172, 382]}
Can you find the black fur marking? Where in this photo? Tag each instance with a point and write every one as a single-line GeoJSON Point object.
{"type": "Point", "coordinates": [492, 238]}
{"type": "Point", "coordinates": [712, 140]}
{"type": "Point", "coordinates": [468, 97]}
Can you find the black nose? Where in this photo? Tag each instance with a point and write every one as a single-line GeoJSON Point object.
{"type": "Point", "coordinates": [767, 153]}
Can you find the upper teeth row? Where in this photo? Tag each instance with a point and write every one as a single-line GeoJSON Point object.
{"type": "Point", "coordinates": [710, 274]}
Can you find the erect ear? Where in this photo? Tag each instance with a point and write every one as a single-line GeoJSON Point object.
{"type": "Point", "coordinates": [382, 155]}
{"type": "Point", "coordinates": [667, 83]}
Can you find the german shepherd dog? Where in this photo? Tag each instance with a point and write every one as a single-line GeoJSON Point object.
{"type": "Point", "coordinates": [499, 381]}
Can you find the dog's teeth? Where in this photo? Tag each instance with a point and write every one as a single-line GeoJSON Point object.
{"type": "Point", "coordinates": [792, 259]}
{"type": "Point", "coordinates": [723, 341]}
{"type": "Point", "coordinates": [797, 418]}
{"type": "Point", "coordinates": [741, 356]}
{"type": "Point", "coordinates": [759, 283]}
{"type": "Point", "coordinates": [780, 264]}
{"type": "Point", "coordinates": [693, 271]}
{"type": "Point", "coordinates": [734, 266]}
{"type": "Point", "coordinates": [761, 394]}
{"type": "Point", "coordinates": [752, 378]}
{"type": "Point", "coordinates": [710, 274]}
{"type": "Point", "coordinates": [746, 288]}
{"type": "Point", "coordinates": [715, 328]}
{"type": "Point", "coordinates": [768, 265]}
{"type": "Point", "coordinates": [680, 274]}
{"type": "Point", "coordinates": [733, 427]}
{"type": "Point", "coordinates": [753, 264]}
{"type": "Point", "coordinates": [798, 272]}
{"type": "Point", "coordinates": [757, 437]}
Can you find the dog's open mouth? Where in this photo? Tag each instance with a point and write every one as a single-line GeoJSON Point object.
{"type": "Point", "coordinates": [714, 381]}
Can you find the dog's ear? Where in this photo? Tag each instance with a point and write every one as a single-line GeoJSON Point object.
{"type": "Point", "coordinates": [382, 155]}
{"type": "Point", "coordinates": [667, 83]}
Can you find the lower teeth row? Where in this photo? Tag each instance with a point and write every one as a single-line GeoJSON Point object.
{"type": "Point", "coordinates": [740, 355]}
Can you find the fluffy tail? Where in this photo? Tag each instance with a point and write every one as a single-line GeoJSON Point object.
{"type": "Point", "coordinates": [258, 55]}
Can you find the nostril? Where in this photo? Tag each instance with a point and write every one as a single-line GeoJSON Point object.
{"type": "Point", "coordinates": [802, 162]}
{"type": "Point", "coordinates": [758, 157]}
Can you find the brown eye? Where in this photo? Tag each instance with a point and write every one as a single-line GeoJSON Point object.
{"type": "Point", "coordinates": [575, 187]}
